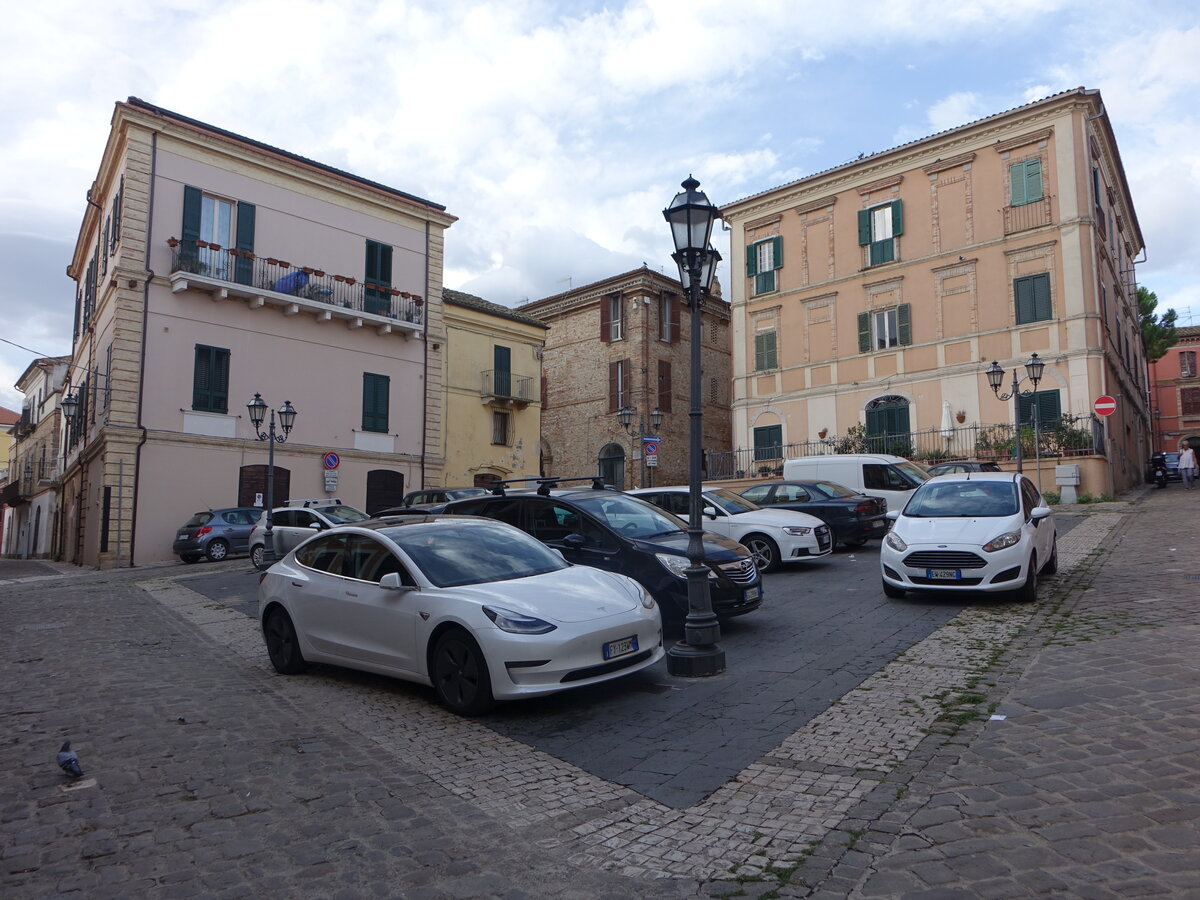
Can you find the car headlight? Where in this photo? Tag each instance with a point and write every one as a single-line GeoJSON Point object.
{"type": "Point", "coordinates": [1005, 540]}
{"type": "Point", "coordinates": [796, 529]}
{"type": "Point", "coordinates": [678, 565]}
{"type": "Point", "coordinates": [515, 622]}
{"type": "Point", "coordinates": [896, 542]}
{"type": "Point", "coordinates": [647, 600]}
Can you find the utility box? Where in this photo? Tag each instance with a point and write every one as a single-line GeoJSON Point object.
{"type": "Point", "coordinates": [1067, 479]}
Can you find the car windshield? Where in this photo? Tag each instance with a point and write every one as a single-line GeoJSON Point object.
{"type": "Point", "coordinates": [829, 489]}
{"type": "Point", "coordinates": [628, 515]}
{"type": "Point", "coordinates": [729, 501]}
{"type": "Point", "coordinates": [959, 499]}
{"type": "Point", "coordinates": [473, 552]}
{"type": "Point", "coordinates": [342, 515]}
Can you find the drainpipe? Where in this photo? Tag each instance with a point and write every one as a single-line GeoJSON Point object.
{"type": "Point", "coordinates": [137, 456]}
{"type": "Point", "coordinates": [425, 365]}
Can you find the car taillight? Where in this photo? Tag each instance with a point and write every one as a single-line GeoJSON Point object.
{"type": "Point", "coordinates": [201, 532]}
{"type": "Point", "coordinates": [865, 508]}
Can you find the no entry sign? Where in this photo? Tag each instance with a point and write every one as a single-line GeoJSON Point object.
{"type": "Point", "coordinates": [1105, 405]}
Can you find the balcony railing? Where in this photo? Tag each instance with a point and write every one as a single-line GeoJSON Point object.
{"type": "Point", "coordinates": [1063, 437]}
{"type": "Point", "coordinates": [499, 385]}
{"type": "Point", "coordinates": [1026, 216]}
{"type": "Point", "coordinates": [238, 267]}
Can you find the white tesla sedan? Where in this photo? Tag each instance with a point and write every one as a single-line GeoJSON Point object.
{"type": "Point", "coordinates": [977, 531]}
{"type": "Point", "coordinates": [772, 536]}
{"type": "Point", "coordinates": [474, 607]}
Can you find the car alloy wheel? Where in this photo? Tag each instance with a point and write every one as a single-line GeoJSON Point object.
{"type": "Point", "coordinates": [764, 550]}
{"type": "Point", "coordinates": [257, 556]}
{"type": "Point", "coordinates": [283, 647]}
{"type": "Point", "coordinates": [217, 550]}
{"type": "Point", "coordinates": [460, 674]}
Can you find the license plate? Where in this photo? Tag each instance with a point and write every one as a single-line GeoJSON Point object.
{"type": "Point", "coordinates": [753, 594]}
{"type": "Point", "coordinates": [878, 523]}
{"type": "Point", "coordinates": [613, 649]}
{"type": "Point", "coordinates": [183, 537]}
{"type": "Point", "coordinates": [943, 574]}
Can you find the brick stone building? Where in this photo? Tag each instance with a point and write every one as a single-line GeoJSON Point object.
{"type": "Point", "coordinates": [625, 341]}
{"type": "Point", "coordinates": [1175, 393]}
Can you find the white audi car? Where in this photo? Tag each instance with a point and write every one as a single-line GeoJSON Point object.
{"type": "Point", "coordinates": [773, 536]}
{"type": "Point", "coordinates": [474, 607]}
{"type": "Point", "coordinates": [975, 531]}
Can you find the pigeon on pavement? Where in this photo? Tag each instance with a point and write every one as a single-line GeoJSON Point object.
{"type": "Point", "coordinates": [68, 761]}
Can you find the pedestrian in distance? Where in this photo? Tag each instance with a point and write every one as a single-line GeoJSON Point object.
{"type": "Point", "coordinates": [1187, 465]}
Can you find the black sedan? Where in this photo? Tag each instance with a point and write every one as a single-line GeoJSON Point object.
{"type": "Point", "coordinates": [852, 517]}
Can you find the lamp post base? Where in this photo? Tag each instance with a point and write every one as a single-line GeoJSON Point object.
{"type": "Point", "coordinates": [689, 661]}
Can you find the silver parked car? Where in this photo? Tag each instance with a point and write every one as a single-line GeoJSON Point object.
{"type": "Point", "coordinates": [297, 521]}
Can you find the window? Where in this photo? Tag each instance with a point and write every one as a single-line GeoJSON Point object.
{"type": "Point", "coordinates": [668, 318]}
{"type": "Point", "coordinates": [104, 247]}
{"type": "Point", "coordinates": [377, 285]}
{"type": "Point", "coordinates": [766, 354]}
{"type": "Point", "coordinates": [500, 427]}
{"type": "Point", "coordinates": [763, 259]}
{"type": "Point", "coordinates": [611, 317]}
{"type": "Point", "coordinates": [878, 228]}
{"type": "Point", "coordinates": [1032, 295]}
{"type": "Point", "coordinates": [1049, 408]}
{"type": "Point", "coordinates": [1187, 363]}
{"type": "Point", "coordinates": [1189, 401]}
{"type": "Point", "coordinates": [768, 442]}
{"type": "Point", "coordinates": [502, 370]}
{"type": "Point", "coordinates": [115, 235]}
{"type": "Point", "coordinates": [210, 380]}
{"type": "Point", "coordinates": [211, 219]}
{"type": "Point", "coordinates": [1025, 182]}
{"type": "Point", "coordinates": [664, 386]}
{"type": "Point", "coordinates": [375, 402]}
{"type": "Point", "coordinates": [618, 385]}
{"type": "Point", "coordinates": [884, 328]}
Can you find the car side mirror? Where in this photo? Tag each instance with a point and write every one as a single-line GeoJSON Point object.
{"type": "Point", "coordinates": [574, 541]}
{"type": "Point", "coordinates": [892, 514]}
{"type": "Point", "coordinates": [1040, 512]}
{"type": "Point", "coordinates": [316, 526]}
{"type": "Point", "coordinates": [391, 582]}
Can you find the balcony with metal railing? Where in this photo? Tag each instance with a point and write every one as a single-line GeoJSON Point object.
{"type": "Point", "coordinates": [505, 388]}
{"type": "Point", "coordinates": [1027, 216]}
{"type": "Point", "coordinates": [263, 281]}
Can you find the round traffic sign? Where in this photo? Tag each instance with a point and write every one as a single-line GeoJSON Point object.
{"type": "Point", "coordinates": [650, 447]}
{"type": "Point", "coordinates": [332, 460]}
{"type": "Point", "coordinates": [1105, 405]}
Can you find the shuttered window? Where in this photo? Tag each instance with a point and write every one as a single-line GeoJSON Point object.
{"type": "Point", "coordinates": [611, 317]}
{"type": "Point", "coordinates": [768, 442]}
{"type": "Point", "coordinates": [115, 234]}
{"type": "Point", "coordinates": [210, 380]}
{"type": "Point", "coordinates": [668, 318]}
{"type": "Point", "coordinates": [1049, 407]}
{"type": "Point", "coordinates": [375, 402]}
{"type": "Point", "coordinates": [618, 385]}
{"type": "Point", "coordinates": [766, 356]}
{"type": "Point", "coordinates": [1025, 182]}
{"type": "Point", "coordinates": [884, 328]}
{"type": "Point", "coordinates": [377, 293]}
{"type": "Point", "coordinates": [243, 266]}
{"type": "Point", "coordinates": [1032, 295]}
{"type": "Point", "coordinates": [664, 386]}
{"type": "Point", "coordinates": [763, 260]}
{"type": "Point", "coordinates": [878, 228]}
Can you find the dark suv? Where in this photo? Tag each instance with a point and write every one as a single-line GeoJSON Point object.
{"type": "Point", "coordinates": [602, 527]}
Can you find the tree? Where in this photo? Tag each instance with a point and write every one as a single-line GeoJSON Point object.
{"type": "Point", "coordinates": [1159, 332]}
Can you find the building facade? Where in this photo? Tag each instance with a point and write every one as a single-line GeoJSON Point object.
{"type": "Point", "coordinates": [624, 342]}
{"type": "Point", "coordinates": [35, 464]}
{"type": "Point", "coordinates": [1176, 393]}
{"type": "Point", "coordinates": [872, 296]}
{"type": "Point", "coordinates": [211, 267]}
{"type": "Point", "coordinates": [493, 373]}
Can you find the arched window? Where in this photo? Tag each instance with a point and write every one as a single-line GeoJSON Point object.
{"type": "Point", "coordinates": [888, 429]}
{"type": "Point", "coordinates": [612, 465]}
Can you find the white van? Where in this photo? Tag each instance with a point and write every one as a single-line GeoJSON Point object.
{"type": "Point", "coordinates": [891, 478]}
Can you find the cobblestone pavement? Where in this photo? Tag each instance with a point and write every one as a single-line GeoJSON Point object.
{"type": "Point", "coordinates": [212, 778]}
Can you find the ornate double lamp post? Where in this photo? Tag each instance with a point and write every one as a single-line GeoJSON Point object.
{"type": "Point", "coordinates": [691, 217]}
{"type": "Point", "coordinates": [625, 419]}
{"type": "Point", "coordinates": [1033, 371]}
{"type": "Point", "coordinates": [287, 418]}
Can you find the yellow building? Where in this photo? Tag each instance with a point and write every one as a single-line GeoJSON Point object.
{"type": "Point", "coordinates": [492, 391]}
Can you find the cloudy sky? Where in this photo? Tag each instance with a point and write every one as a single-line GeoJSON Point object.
{"type": "Point", "coordinates": [557, 130]}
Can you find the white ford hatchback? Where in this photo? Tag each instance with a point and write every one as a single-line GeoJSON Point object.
{"type": "Point", "coordinates": [975, 531]}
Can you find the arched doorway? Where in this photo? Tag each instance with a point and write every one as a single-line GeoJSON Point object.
{"type": "Point", "coordinates": [252, 482]}
{"type": "Point", "coordinates": [385, 490]}
{"type": "Point", "coordinates": [612, 465]}
{"type": "Point", "coordinates": [888, 429]}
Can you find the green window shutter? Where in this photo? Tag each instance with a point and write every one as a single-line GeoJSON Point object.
{"type": "Point", "coordinates": [897, 218]}
{"type": "Point", "coordinates": [883, 251]}
{"type": "Point", "coordinates": [501, 370]}
{"type": "Point", "coordinates": [1032, 294]}
{"type": "Point", "coordinates": [864, 227]}
{"type": "Point", "coordinates": [210, 380]}
{"type": "Point", "coordinates": [375, 402]}
{"type": "Point", "coordinates": [200, 375]}
{"type": "Point", "coordinates": [777, 251]}
{"type": "Point", "coordinates": [751, 261]}
{"type": "Point", "coordinates": [190, 230]}
{"type": "Point", "coordinates": [864, 332]}
{"type": "Point", "coordinates": [1049, 406]}
{"type": "Point", "coordinates": [904, 323]}
{"type": "Point", "coordinates": [1025, 182]}
{"type": "Point", "coordinates": [1023, 294]}
{"type": "Point", "coordinates": [243, 267]}
{"type": "Point", "coordinates": [768, 442]}
{"type": "Point", "coordinates": [1041, 297]}
{"type": "Point", "coordinates": [377, 278]}
{"type": "Point", "coordinates": [764, 282]}
{"type": "Point", "coordinates": [1016, 184]}
{"type": "Point", "coordinates": [765, 355]}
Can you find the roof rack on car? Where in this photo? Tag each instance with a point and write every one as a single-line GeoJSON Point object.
{"type": "Point", "coordinates": [547, 483]}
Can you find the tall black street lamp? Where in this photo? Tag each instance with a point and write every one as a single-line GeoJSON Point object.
{"type": "Point", "coordinates": [691, 217]}
{"type": "Point", "coordinates": [625, 419]}
{"type": "Point", "coordinates": [1033, 371]}
{"type": "Point", "coordinates": [287, 418]}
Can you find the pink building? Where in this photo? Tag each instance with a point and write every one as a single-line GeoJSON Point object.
{"type": "Point", "coordinates": [1175, 393]}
